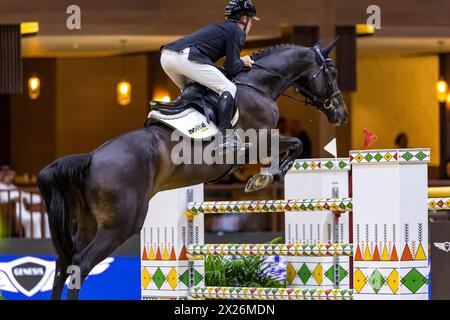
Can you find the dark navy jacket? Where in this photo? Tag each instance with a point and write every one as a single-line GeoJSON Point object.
{"type": "Point", "coordinates": [213, 42]}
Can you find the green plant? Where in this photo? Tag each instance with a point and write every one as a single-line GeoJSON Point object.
{"type": "Point", "coordinates": [247, 271]}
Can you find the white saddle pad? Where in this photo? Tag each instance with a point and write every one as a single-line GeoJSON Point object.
{"type": "Point", "coordinates": [190, 123]}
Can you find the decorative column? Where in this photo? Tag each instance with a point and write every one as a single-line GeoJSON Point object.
{"type": "Point", "coordinates": [390, 223]}
{"type": "Point", "coordinates": [311, 179]}
{"type": "Point", "coordinates": [164, 239]}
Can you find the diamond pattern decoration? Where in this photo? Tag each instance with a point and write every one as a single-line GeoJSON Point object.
{"type": "Point", "coordinates": [146, 278]}
{"type": "Point", "coordinates": [198, 277]}
{"type": "Point", "coordinates": [376, 281]}
{"type": "Point", "coordinates": [414, 280]}
{"type": "Point", "coordinates": [342, 273]}
{"type": "Point", "coordinates": [389, 156]}
{"type": "Point", "coordinates": [438, 203]}
{"type": "Point", "coordinates": [159, 278]}
{"type": "Point", "coordinates": [407, 156]}
{"type": "Point", "coordinates": [368, 157]}
{"type": "Point", "coordinates": [360, 280]}
{"type": "Point", "coordinates": [304, 273]}
{"type": "Point", "coordinates": [359, 157]}
{"type": "Point", "coordinates": [321, 165]}
{"type": "Point", "coordinates": [184, 278]}
{"type": "Point", "coordinates": [329, 165]}
{"type": "Point", "coordinates": [393, 281]}
{"type": "Point", "coordinates": [414, 155]}
{"type": "Point", "coordinates": [318, 274]}
{"type": "Point", "coordinates": [172, 278]}
{"type": "Point", "coordinates": [291, 273]}
{"type": "Point", "coordinates": [421, 155]}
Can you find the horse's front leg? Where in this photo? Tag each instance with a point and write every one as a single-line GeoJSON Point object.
{"type": "Point", "coordinates": [289, 149]}
{"type": "Point", "coordinates": [294, 148]}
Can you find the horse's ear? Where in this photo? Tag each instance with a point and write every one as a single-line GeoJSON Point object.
{"type": "Point", "coordinates": [326, 51]}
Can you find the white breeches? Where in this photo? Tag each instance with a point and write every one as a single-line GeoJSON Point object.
{"type": "Point", "coordinates": [180, 69]}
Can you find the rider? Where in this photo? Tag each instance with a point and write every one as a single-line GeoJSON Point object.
{"type": "Point", "coordinates": [193, 57]}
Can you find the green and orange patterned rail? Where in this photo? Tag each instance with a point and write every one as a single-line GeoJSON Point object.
{"type": "Point", "coordinates": [270, 293]}
{"type": "Point", "coordinates": [313, 250]}
{"type": "Point", "coordinates": [294, 205]}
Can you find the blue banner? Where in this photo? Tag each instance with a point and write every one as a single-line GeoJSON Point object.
{"type": "Point", "coordinates": [30, 277]}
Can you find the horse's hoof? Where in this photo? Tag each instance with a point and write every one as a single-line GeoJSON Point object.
{"type": "Point", "coordinates": [259, 182]}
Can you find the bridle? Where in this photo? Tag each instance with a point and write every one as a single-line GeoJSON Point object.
{"type": "Point", "coordinates": [311, 99]}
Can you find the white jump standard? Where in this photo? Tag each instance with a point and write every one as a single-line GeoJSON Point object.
{"type": "Point", "coordinates": [386, 218]}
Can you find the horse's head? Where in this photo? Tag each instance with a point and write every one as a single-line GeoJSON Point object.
{"type": "Point", "coordinates": [319, 84]}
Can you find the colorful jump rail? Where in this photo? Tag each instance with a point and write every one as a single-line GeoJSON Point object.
{"type": "Point", "coordinates": [313, 250]}
{"type": "Point", "coordinates": [266, 206]}
{"type": "Point", "coordinates": [294, 205]}
{"type": "Point", "coordinates": [438, 203]}
{"type": "Point", "coordinates": [270, 293]}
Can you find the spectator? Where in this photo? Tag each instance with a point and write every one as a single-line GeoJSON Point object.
{"type": "Point", "coordinates": [25, 203]}
{"type": "Point", "coordinates": [6, 185]}
{"type": "Point", "coordinates": [401, 141]}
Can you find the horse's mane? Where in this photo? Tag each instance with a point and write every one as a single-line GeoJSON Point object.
{"type": "Point", "coordinates": [271, 50]}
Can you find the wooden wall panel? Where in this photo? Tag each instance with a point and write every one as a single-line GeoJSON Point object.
{"type": "Point", "coordinates": [33, 121]}
{"type": "Point", "coordinates": [444, 119]}
{"type": "Point", "coordinates": [10, 59]}
{"type": "Point", "coordinates": [5, 156]}
{"type": "Point", "coordinates": [305, 36]}
{"type": "Point", "coordinates": [346, 57]}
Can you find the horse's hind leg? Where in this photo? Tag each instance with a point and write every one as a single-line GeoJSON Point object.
{"type": "Point", "coordinates": [60, 277]}
{"type": "Point", "coordinates": [117, 220]}
{"type": "Point", "coordinates": [103, 244]}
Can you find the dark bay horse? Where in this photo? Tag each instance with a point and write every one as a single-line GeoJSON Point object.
{"type": "Point", "coordinates": [97, 200]}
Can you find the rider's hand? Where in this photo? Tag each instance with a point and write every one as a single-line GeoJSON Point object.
{"type": "Point", "coordinates": [247, 61]}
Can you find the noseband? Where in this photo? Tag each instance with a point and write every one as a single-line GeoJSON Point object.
{"type": "Point", "coordinates": [311, 99]}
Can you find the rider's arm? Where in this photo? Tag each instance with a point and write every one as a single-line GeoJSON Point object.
{"type": "Point", "coordinates": [233, 63]}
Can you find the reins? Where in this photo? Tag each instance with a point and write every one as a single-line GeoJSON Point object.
{"type": "Point", "coordinates": [311, 99]}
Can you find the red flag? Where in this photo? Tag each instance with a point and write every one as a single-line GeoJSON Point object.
{"type": "Point", "coordinates": [369, 138]}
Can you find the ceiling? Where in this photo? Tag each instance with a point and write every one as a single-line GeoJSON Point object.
{"type": "Point", "coordinates": [96, 46]}
{"type": "Point", "coordinates": [93, 46]}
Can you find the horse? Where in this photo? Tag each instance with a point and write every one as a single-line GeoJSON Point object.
{"type": "Point", "coordinates": [97, 200]}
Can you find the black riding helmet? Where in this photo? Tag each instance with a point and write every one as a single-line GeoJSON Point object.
{"type": "Point", "coordinates": [235, 9]}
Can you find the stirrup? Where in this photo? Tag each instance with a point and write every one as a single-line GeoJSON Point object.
{"type": "Point", "coordinates": [231, 143]}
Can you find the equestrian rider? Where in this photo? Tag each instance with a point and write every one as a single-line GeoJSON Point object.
{"type": "Point", "coordinates": [193, 57]}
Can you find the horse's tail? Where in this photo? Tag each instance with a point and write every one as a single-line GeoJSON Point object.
{"type": "Point", "coordinates": [62, 186]}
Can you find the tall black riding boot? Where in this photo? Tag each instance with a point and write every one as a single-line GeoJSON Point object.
{"type": "Point", "coordinates": [228, 141]}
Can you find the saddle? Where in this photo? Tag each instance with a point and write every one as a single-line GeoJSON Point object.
{"type": "Point", "coordinates": [193, 113]}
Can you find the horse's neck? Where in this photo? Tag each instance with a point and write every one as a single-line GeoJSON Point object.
{"type": "Point", "coordinates": [289, 64]}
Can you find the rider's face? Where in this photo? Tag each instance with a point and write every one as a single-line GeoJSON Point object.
{"type": "Point", "coordinates": [249, 24]}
